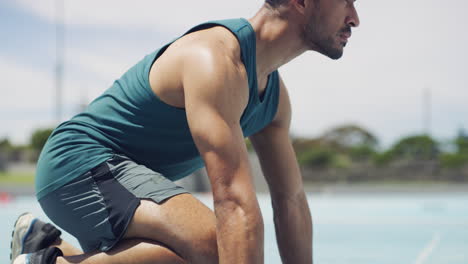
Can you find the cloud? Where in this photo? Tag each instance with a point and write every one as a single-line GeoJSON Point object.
{"type": "Point", "coordinates": [105, 67]}
{"type": "Point", "coordinates": [142, 13]}
{"type": "Point", "coordinates": [24, 86]}
{"type": "Point", "coordinates": [399, 50]}
{"type": "Point", "coordinates": [27, 99]}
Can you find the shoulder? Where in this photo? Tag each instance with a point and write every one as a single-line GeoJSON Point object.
{"type": "Point", "coordinates": [212, 68]}
{"type": "Point", "coordinates": [215, 48]}
{"type": "Point", "coordinates": [213, 54]}
{"type": "Point", "coordinates": [212, 50]}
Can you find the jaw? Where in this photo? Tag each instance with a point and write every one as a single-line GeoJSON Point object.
{"type": "Point", "coordinates": [316, 38]}
{"type": "Point", "coordinates": [329, 47]}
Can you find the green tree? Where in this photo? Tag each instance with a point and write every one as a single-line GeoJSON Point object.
{"type": "Point", "coordinates": [361, 153]}
{"type": "Point", "coordinates": [354, 143]}
{"type": "Point", "coordinates": [453, 160]}
{"type": "Point", "coordinates": [462, 142]}
{"type": "Point", "coordinates": [460, 158]}
{"type": "Point", "coordinates": [5, 144]}
{"type": "Point", "coordinates": [420, 147]}
{"type": "Point", "coordinates": [39, 138]}
{"type": "Point", "coordinates": [316, 158]}
{"type": "Point", "coordinates": [349, 136]}
{"type": "Point", "coordinates": [5, 149]}
{"type": "Point", "coordinates": [383, 158]}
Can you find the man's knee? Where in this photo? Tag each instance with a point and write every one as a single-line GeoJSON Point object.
{"type": "Point", "coordinates": [205, 249]}
{"type": "Point", "coordinates": [182, 223]}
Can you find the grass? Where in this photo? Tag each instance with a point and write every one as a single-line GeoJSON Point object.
{"type": "Point", "coordinates": [16, 178]}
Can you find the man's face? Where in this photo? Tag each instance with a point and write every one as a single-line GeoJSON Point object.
{"type": "Point", "coordinates": [328, 26]}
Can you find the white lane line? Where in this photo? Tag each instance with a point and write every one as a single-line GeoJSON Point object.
{"type": "Point", "coordinates": [424, 254]}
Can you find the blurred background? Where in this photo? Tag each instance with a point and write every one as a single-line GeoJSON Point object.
{"type": "Point", "coordinates": [387, 120]}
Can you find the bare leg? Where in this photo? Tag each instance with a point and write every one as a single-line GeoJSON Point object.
{"type": "Point", "coordinates": [182, 223]}
{"type": "Point", "coordinates": [128, 251]}
{"type": "Point", "coordinates": [184, 226]}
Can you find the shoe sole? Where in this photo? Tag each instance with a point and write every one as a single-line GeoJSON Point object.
{"type": "Point", "coordinates": [21, 259]}
{"type": "Point", "coordinates": [23, 226]}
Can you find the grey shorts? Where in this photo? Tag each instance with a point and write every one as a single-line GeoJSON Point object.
{"type": "Point", "coordinates": [97, 207]}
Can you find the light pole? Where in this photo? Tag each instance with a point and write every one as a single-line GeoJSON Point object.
{"type": "Point", "coordinates": [59, 56]}
{"type": "Point", "coordinates": [427, 115]}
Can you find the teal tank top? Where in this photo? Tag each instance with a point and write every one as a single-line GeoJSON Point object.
{"type": "Point", "coordinates": [128, 118]}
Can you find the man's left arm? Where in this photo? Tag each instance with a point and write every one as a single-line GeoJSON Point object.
{"type": "Point", "coordinates": [293, 222]}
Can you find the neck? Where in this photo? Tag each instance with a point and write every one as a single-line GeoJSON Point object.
{"type": "Point", "coordinates": [278, 41]}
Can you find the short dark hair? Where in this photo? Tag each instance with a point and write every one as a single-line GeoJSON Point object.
{"type": "Point", "coordinates": [275, 3]}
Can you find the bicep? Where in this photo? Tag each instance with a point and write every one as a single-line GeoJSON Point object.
{"type": "Point", "coordinates": [218, 142]}
{"type": "Point", "coordinates": [213, 108]}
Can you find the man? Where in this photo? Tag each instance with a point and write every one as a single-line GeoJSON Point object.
{"type": "Point", "coordinates": [106, 175]}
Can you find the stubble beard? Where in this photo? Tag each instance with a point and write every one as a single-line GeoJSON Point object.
{"type": "Point", "coordinates": [316, 39]}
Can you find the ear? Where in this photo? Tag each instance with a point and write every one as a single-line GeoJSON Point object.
{"type": "Point", "coordinates": [300, 5]}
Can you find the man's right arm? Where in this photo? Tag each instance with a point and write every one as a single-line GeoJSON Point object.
{"type": "Point", "coordinates": [214, 102]}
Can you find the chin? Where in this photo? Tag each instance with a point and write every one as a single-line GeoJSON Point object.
{"type": "Point", "coordinates": [328, 47]}
{"type": "Point", "coordinates": [334, 54]}
{"type": "Point", "coordinates": [331, 49]}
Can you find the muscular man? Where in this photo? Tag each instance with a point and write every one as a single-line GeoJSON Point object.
{"type": "Point", "coordinates": [106, 176]}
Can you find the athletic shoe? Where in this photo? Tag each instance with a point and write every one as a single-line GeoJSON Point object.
{"type": "Point", "coordinates": [30, 235]}
{"type": "Point", "coordinates": [44, 256]}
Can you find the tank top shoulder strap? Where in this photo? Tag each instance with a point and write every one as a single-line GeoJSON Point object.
{"type": "Point", "coordinates": [245, 34]}
{"type": "Point", "coordinates": [242, 29]}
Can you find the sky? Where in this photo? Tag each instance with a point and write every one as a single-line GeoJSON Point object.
{"type": "Point", "coordinates": [401, 51]}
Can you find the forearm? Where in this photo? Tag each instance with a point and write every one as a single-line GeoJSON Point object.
{"type": "Point", "coordinates": [239, 233]}
{"type": "Point", "coordinates": [293, 225]}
